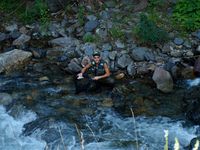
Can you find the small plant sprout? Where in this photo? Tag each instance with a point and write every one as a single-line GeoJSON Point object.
{"type": "Point", "coordinates": [166, 139]}
{"type": "Point", "coordinates": [196, 146]}
{"type": "Point", "coordinates": [176, 145]}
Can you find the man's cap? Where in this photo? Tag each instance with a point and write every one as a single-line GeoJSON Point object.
{"type": "Point", "coordinates": [96, 53]}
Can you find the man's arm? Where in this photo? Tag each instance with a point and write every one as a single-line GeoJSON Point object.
{"type": "Point", "coordinates": [107, 73]}
{"type": "Point", "coordinates": [84, 69]}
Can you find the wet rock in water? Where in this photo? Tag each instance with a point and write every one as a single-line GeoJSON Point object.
{"type": "Point", "coordinates": [50, 135]}
{"type": "Point", "coordinates": [5, 99]}
{"type": "Point", "coordinates": [13, 59]}
{"type": "Point", "coordinates": [163, 80]}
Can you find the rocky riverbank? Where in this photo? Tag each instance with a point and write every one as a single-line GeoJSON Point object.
{"type": "Point", "coordinates": [36, 69]}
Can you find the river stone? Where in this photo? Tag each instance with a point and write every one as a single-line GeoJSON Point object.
{"type": "Point", "coordinates": [91, 17]}
{"type": "Point", "coordinates": [21, 40]}
{"type": "Point", "coordinates": [14, 34]}
{"type": "Point", "coordinates": [124, 61]}
{"type": "Point", "coordinates": [73, 66]}
{"type": "Point", "coordinates": [142, 53]}
{"type": "Point", "coordinates": [5, 99]}
{"type": "Point", "coordinates": [112, 55]}
{"type": "Point", "coordinates": [104, 15]}
{"type": "Point", "coordinates": [13, 59]}
{"type": "Point", "coordinates": [11, 28]}
{"type": "Point", "coordinates": [131, 69]}
{"type": "Point", "coordinates": [89, 48]}
{"type": "Point", "coordinates": [163, 80]}
{"type": "Point", "coordinates": [91, 25]}
{"type": "Point", "coordinates": [178, 41]}
{"type": "Point", "coordinates": [196, 34]}
{"type": "Point", "coordinates": [2, 36]}
{"type": "Point", "coordinates": [119, 44]}
{"type": "Point", "coordinates": [64, 42]}
{"type": "Point", "coordinates": [38, 52]}
{"type": "Point", "coordinates": [106, 47]}
{"type": "Point", "coordinates": [198, 49]}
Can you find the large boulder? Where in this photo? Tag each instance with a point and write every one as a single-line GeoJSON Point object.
{"type": "Point", "coordinates": [124, 61]}
{"type": "Point", "coordinates": [13, 59]}
{"type": "Point", "coordinates": [163, 80]}
{"type": "Point", "coordinates": [142, 54]}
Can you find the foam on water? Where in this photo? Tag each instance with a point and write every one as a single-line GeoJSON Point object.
{"type": "Point", "coordinates": [11, 132]}
{"type": "Point", "coordinates": [193, 82]}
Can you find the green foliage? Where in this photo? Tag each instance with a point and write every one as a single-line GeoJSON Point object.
{"type": "Point", "coordinates": [155, 4]}
{"type": "Point", "coordinates": [89, 38]}
{"type": "Point", "coordinates": [26, 11]}
{"type": "Point", "coordinates": [187, 14]}
{"type": "Point", "coordinates": [81, 12]}
{"type": "Point", "coordinates": [116, 33]}
{"type": "Point", "coordinates": [148, 32]}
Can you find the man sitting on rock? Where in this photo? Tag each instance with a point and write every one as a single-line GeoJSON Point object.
{"type": "Point", "coordinates": [97, 72]}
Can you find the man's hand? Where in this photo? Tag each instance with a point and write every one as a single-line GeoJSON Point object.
{"type": "Point", "coordinates": [80, 76]}
{"type": "Point", "coordinates": [96, 78]}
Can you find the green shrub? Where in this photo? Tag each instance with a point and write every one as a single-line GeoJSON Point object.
{"type": "Point", "coordinates": [81, 11]}
{"type": "Point", "coordinates": [27, 12]}
{"type": "Point", "coordinates": [147, 32]}
{"type": "Point", "coordinates": [89, 38]}
{"type": "Point", "coordinates": [116, 33]}
{"type": "Point", "coordinates": [187, 14]}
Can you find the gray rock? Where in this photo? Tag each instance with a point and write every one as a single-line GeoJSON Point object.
{"type": "Point", "coordinates": [142, 53]}
{"type": "Point", "coordinates": [104, 15]}
{"type": "Point", "coordinates": [91, 25]}
{"type": "Point", "coordinates": [102, 33]}
{"type": "Point", "coordinates": [163, 80]}
{"type": "Point", "coordinates": [196, 34]}
{"type": "Point", "coordinates": [74, 66]}
{"type": "Point", "coordinates": [106, 47]}
{"type": "Point", "coordinates": [131, 69]}
{"type": "Point", "coordinates": [5, 99]}
{"type": "Point", "coordinates": [89, 48]}
{"type": "Point", "coordinates": [124, 61]}
{"type": "Point", "coordinates": [178, 41]}
{"type": "Point", "coordinates": [21, 40]}
{"type": "Point", "coordinates": [105, 55]}
{"type": "Point", "coordinates": [64, 42]}
{"type": "Point", "coordinates": [112, 55]}
{"type": "Point", "coordinates": [187, 44]}
{"type": "Point", "coordinates": [15, 34]}
{"type": "Point", "coordinates": [91, 17]}
{"type": "Point", "coordinates": [13, 59]}
{"type": "Point", "coordinates": [11, 28]}
{"type": "Point", "coordinates": [119, 44]}
{"type": "Point", "coordinates": [166, 48]}
{"type": "Point", "coordinates": [198, 49]}
{"type": "Point", "coordinates": [2, 36]}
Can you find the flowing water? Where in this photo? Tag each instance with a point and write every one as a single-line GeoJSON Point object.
{"type": "Point", "coordinates": [55, 119]}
